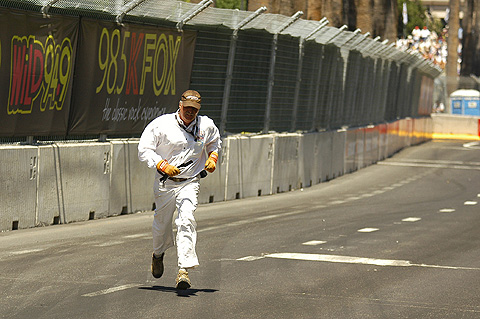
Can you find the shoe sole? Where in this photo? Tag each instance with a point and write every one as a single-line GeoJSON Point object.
{"type": "Point", "coordinates": [183, 285]}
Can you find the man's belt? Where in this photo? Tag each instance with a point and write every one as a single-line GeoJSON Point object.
{"type": "Point", "coordinates": [164, 177]}
{"type": "Point", "coordinates": [177, 180]}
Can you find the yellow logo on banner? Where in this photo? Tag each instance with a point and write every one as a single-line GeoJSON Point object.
{"type": "Point", "coordinates": [119, 64]}
{"type": "Point", "coordinates": [37, 68]}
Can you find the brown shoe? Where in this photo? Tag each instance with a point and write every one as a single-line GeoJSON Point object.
{"type": "Point", "coordinates": [183, 282]}
{"type": "Point", "coordinates": [157, 266]}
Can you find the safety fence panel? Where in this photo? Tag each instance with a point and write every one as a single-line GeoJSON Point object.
{"type": "Point", "coordinates": [416, 87]}
{"type": "Point", "coordinates": [330, 89]}
{"type": "Point", "coordinates": [391, 102]}
{"type": "Point", "coordinates": [403, 102]}
{"type": "Point", "coordinates": [210, 69]}
{"type": "Point", "coordinates": [368, 93]}
{"type": "Point", "coordinates": [248, 96]}
{"type": "Point", "coordinates": [335, 118]}
{"type": "Point", "coordinates": [352, 79]}
{"type": "Point", "coordinates": [310, 70]}
{"type": "Point", "coordinates": [284, 84]}
{"type": "Point", "coordinates": [380, 85]}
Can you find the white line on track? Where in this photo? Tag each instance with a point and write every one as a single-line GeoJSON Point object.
{"type": "Point", "coordinates": [359, 260]}
{"type": "Point", "coordinates": [27, 251]}
{"type": "Point", "coordinates": [138, 235]}
{"type": "Point", "coordinates": [367, 230]}
{"type": "Point", "coordinates": [471, 144]}
{"type": "Point", "coordinates": [314, 242]}
{"type": "Point", "coordinates": [447, 210]}
{"type": "Point", "coordinates": [111, 290]}
{"type": "Point", "coordinates": [411, 219]}
{"type": "Point", "coordinates": [470, 203]}
{"type": "Point", "coordinates": [250, 258]}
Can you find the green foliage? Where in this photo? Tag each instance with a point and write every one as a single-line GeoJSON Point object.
{"type": "Point", "coordinates": [229, 4]}
{"type": "Point", "coordinates": [416, 16]}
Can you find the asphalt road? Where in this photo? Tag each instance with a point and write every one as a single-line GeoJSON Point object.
{"type": "Point", "coordinates": [399, 239]}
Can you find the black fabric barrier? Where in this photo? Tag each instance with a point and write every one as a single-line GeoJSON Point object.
{"type": "Point", "coordinates": [37, 57]}
{"type": "Point", "coordinates": [127, 75]}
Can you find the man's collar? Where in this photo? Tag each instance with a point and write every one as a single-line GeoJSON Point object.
{"type": "Point", "coordinates": [180, 121]}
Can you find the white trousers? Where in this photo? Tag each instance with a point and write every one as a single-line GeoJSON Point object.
{"type": "Point", "coordinates": [182, 196]}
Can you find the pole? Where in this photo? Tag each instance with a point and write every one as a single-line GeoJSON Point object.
{"type": "Point", "coordinates": [452, 45]}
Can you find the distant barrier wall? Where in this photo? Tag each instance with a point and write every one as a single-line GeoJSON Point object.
{"type": "Point", "coordinates": [63, 183]}
{"type": "Point", "coordinates": [454, 126]}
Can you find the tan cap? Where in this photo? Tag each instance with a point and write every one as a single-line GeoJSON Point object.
{"type": "Point", "coordinates": [191, 98]}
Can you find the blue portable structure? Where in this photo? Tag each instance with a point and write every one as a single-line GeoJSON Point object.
{"type": "Point", "coordinates": [465, 102]}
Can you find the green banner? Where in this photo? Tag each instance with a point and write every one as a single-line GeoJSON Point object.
{"type": "Point", "coordinates": [128, 75]}
{"type": "Point", "coordinates": [36, 70]}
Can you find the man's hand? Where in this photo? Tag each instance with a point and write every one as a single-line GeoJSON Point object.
{"type": "Point", "coordinates": [168, 169]}
{"type": "Point", "coordinates": [211, 162]}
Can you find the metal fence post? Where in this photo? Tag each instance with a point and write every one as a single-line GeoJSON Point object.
{"type": "Point", "coordinates": [45, 8]}
{"type": "Point", "coordinates": [126, 9]}
{"type": "Point", "coordinates": [192, 13]}
{"type": "Point", "coordinates": [231, 62]}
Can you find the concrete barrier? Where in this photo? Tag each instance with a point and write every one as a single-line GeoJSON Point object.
{"type": "Point", "coordinates": [359, 148]}
{"type": "Point", "coordinates": [405, 131]}
{"type": "Point", "coordinates": [285, 163]}
{"type": "Point", "coordinates": [232, 168]}
{"type": "Point", "coordinates": [67, 182]}
{"type": "Point", "coordinates": [371, 145]}
{"type": "Point", "coordinates": [325, 155]}
{"type": "Point", "coordinates": [382, 142]}
{"type": "Point", "coordinates": [350, 150]}
{"type": "Point", "coordinates": [19, 176]}
{"type": "Point", "coordinates": [50, 203]}
{"type": "Point", "coordinates": [448, 126]}
{"type": "Point", "coordinates": [309, 164]}
{"type": "Point", "coordinates": [339, 140]}
{"type": "Point", "coordinates": [212, 187]}
{"type": "Point", "coordinates": [85, 179]}
{"type": "Point", "coordinates": [256, 155]}
{"type": "Point", "coordinates": [119, 199]}
{"type": "Point", "coordinates": [141, 180]}
{"type": "Point", "coordinates": [393, 140]}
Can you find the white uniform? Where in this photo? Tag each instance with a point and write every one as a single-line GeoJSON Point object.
{"type": "Point", "coordinates": [167, 138]}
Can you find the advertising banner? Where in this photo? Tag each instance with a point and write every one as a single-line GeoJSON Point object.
{"type": "Point", "coordinates": [127, 75]}
{"type": "Point", "coordinates": [37, 57]}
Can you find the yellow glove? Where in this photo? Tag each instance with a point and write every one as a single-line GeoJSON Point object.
{"type": "Point", "coordinates": [168, 169]}
{"type": "Point", "coordinates": [211, 162]}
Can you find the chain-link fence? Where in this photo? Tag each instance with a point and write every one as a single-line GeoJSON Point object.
{"type": "Point", "coordinates": [260, 72]}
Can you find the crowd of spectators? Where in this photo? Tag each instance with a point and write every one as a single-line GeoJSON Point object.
{"type": "Point", "coordinates": [428, 43]}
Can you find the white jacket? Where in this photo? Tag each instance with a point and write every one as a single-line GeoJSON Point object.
{"type": "Point", "coordinates": [164, 138]}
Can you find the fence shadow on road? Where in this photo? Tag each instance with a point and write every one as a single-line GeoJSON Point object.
{"type": "Point", "coordinates": [180, 293]}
